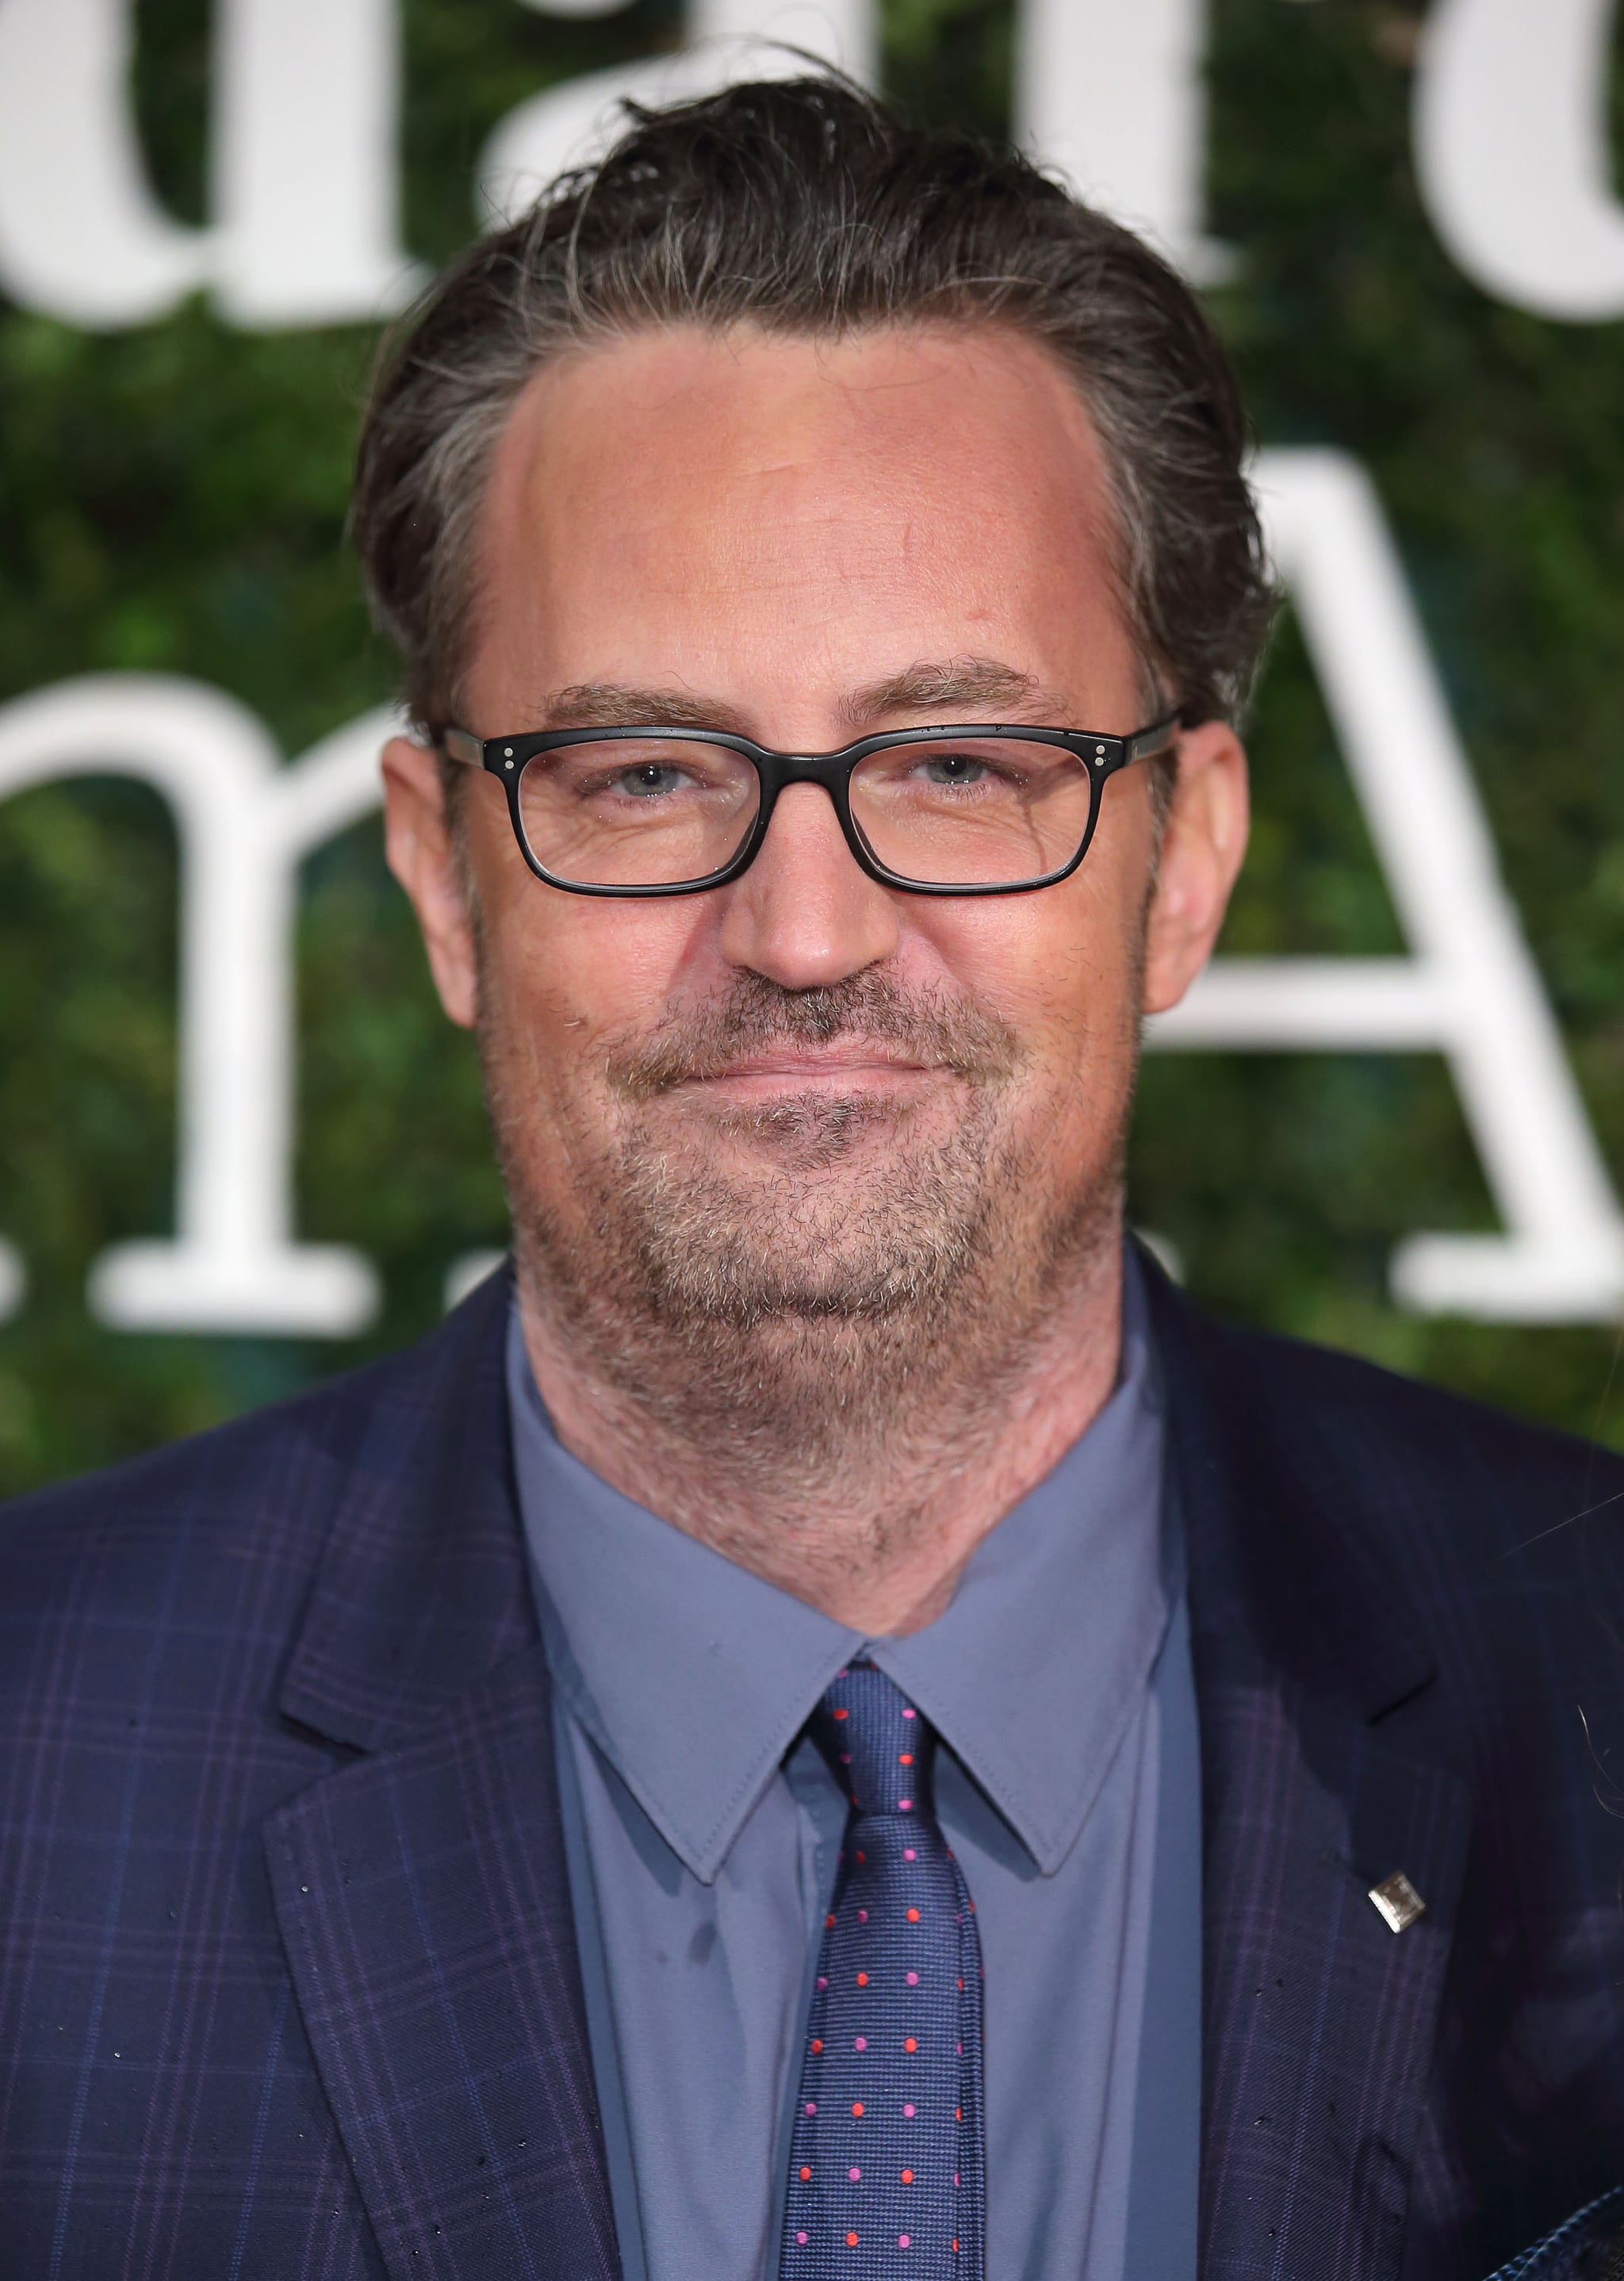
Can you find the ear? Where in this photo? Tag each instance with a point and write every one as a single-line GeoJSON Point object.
{"type": "Point", "coordinates": [1203, 842]}
{"type": "Point", "coordinates": [422, 853]}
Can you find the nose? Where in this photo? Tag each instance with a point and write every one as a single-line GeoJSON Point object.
{"type": "Point", "coordinates": [805, 915]}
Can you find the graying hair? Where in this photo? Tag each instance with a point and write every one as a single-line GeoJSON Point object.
{"type": "Point", "coordinates": [806, 207]}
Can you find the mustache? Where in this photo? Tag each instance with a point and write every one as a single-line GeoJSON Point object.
{"type": "Point", "coordinates": [930, 1027]}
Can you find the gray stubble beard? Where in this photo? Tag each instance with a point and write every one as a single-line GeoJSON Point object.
{"type": "Point", "coordinates": [786, 1327]}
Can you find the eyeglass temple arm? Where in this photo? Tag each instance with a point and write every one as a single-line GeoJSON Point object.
{"type": "Point", "coordinates": [458, 744]}
{"type": "Point", "coordinates": [1148, 742]}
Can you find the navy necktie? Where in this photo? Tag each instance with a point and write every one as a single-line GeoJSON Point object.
{"type": "Point", "coordinates": [886, 2164]}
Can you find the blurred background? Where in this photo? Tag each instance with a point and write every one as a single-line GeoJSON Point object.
{"type": "Point", "coordinates": [239, 1147]}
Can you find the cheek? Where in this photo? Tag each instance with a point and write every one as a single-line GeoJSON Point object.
{"type": "Point", "coordinates": [563, 974]}
{"type": "Point", "coordinates": [1061, 966]}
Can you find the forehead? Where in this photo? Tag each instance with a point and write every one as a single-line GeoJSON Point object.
{"type": "Point", "coordinates": [777, 509]}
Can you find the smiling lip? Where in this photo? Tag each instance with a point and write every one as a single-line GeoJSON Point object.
{"type": "Point", "coordinates": [789, 1072]}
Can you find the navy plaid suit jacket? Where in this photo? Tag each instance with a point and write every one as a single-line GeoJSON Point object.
{"type": "Point", "coordinates": [288, 1985]}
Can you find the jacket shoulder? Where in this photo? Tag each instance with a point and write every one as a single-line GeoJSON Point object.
{"type": "Point", "coordinates": [239, 1513]}
{"type": "Point", "coordinates": [1399, 1446]}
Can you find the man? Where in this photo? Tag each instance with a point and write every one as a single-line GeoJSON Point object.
{"type": "Point", "coordinates": [830, 1725]}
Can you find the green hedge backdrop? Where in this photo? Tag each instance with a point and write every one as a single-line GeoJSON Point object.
{"type": "Point", "coordinates": [172, 498]}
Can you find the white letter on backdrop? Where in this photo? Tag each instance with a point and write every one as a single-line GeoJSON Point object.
{"type": "Point", "coordinates": [245, 823]}
{"type": "Point", "coordinates": [303, 165]}
{"type": "Point", "coordinates": [81, 238]}
{"type": "Point", "coordinates": [1471, 991]}
{"type": "Point", "coordinates": [1112, 95]}
{"type": "Point", "coordinates": [1511, 147]}
{"type": "Point", "coordinates": [726, 40]}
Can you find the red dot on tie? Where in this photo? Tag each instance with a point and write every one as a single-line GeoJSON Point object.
{"type": "Point", "coordinates": [961, 1984]}
{"type": "Point", "coordinates": [851, 2241]}
{"type": "Point", "coordinates": [913, 1916]}
{"type": "Point", "coordinates": [863, 1980]}
{"type": "Point", "coordinates": [817, 2043]}
{"type": "Point", "coordinates": [806, 2171]}
{"type": "Point", "coordinates": [856, 2106]}
{"type": "Point", "coordinates": [910, 2045]}
{"type": "Point", "coordinates": [861, 1856]}
{"type": "Point", "coordinates": [842, 1714]}
{"type": "Point", "coordinates": [958, 2115]}
{"type": "Point", "coordinates": [905, 1758]}
{"type": "Point", "coordinates": [955, 2245]}
{"type": "Point", "coordinates": [908, 2177]}
{"type": "Point", "coordinates": [830, 1919]}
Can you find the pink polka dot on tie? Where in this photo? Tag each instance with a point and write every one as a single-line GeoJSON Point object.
{"type": "Point", "coordinates": [823, 1984]}
{"type": "Point", "coordinates": [853, 2172]}
{"type": "Point", "coordinates": [955, 2177]}
{"type": "Point", "coordinates": [905, 1805]}
{"type": "Point", "coordinates": [902, 2241]}
{"type": "Point", "coordinates": [913, 1980]}
{"type": "Point", "coordinates": [910, 1714]}
{"type": "Point", "coordinates": [862, 1916]}
{"type": "Point", "coordinates": [811, 2106]}
{"type": "Point", "coordinates": [909, 1854]}
{"type": "Point", "coordinates": [800, 2237]}
{"type": "Point", "coordinates": [908, 2110]}
{"type": "Point", "coordinates": [860, 2044]}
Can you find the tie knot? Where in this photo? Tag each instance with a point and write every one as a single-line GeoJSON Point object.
{"type": "Point", "coordinates": [877, 1743]}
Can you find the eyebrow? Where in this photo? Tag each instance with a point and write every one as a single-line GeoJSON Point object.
{"type": "Point", "coordinates": [958, 685]}
{"type": "Point", "coordinates": [939, 688]}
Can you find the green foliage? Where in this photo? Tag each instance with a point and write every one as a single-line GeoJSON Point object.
{"type": "Point", "coordinates": [175, 500]}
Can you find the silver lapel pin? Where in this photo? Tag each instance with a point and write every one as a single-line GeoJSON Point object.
{"type": "Point", "coordinates": [1397, 1901]}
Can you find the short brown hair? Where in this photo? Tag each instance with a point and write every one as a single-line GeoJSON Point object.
{"type": "Point", "coordinates": [804, 206]}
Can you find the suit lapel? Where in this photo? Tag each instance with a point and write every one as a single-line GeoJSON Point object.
{"type": "Point", "coordinates": [1319, 2022]}
{"type": "Point", "coordinates": [421, 1891]}
{"type": "Point", "coordinates": [1325, 1765]}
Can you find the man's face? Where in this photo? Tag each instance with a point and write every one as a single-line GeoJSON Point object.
{"type": "Point", "coordinates": [804, 1114]}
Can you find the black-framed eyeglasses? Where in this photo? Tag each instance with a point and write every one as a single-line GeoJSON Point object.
{"type": "Point", "coordinates": [978, 810]}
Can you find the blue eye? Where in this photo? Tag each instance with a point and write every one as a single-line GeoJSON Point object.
{"type": "Point", "coordinates": [649, 781]}
{"type": "Point", "coordinates": [953, 769]}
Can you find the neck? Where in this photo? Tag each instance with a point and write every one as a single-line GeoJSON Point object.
{"type": "Point", "coordinates": [873, 1520]}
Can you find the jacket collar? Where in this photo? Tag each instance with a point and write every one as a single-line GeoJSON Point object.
{"type": "Point", "coordinates": [422, 1587]}
{"type": "Point", "coordinates": [1285, 1568]}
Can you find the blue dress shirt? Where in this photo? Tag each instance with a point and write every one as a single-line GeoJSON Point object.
{"type": "Point", "coordinates": [702, 1827]}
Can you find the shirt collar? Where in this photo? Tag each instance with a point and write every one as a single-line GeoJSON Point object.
{"type": "Point", "coordinates": [694, 1677]}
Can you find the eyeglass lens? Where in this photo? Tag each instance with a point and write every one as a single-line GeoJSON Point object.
{"type": "Point", "coordinates": [649, 811]}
